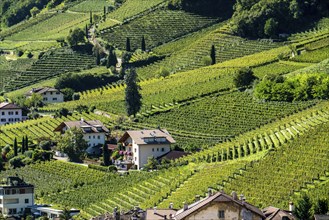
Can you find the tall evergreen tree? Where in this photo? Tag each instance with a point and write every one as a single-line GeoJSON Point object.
{"type": "Point", "coordinates": [303, 210]}
{"type": "Point", "coordinates": [15, 147]}
{"type": "Point", "coordinates": [143, 46]}
{"type": "Point", "coordinates": [90, 17]}
{"type": "Point", "coordinates": [98, 58]}
{"type": "Point", "coordinates": [26, 143]}
{"type": "Point", "coordinates": [104, 15]}
{"type": "Point", "coordinates": [23, 145]}
{"type": "Point", "coordinates": [133, 97]}
{"type": "Point", "coordinates": [128, 49]}
{"type": "Point", "coordinates": [321, 207]}
{"type": "Point", "coordinates": [111, 59]}
{"type": "Point", "coordinates": [106, 155]}
{"type": "Point", "coordinates": [86, 29]}
{"type": "Point", "coordinates": [213, 55]}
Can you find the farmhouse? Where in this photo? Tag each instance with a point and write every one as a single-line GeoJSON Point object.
{"type": "Point", "coordinates": [273, 213]}
{"type": "Point", "coordinates": [10, 113]}
{"type": "Point", "coordinates": [15, 196]}
{"type": "Point", "coordinates": [49, 95]}
{"type": "Point", "coordinates": [94, 132]}
{"type": "Point", "coordinates": [214, 206]}
{"type": "Point", "coordinates": [146, 143]}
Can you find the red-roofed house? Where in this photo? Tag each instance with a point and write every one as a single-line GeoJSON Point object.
{"type": "Point", "coordinates": [146, 143]}
{"type": "Point", "coordinates": [10, 113]}
{"type": "Point", "coordinates": [218, 206]}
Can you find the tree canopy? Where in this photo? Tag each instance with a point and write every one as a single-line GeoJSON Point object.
{"type": "Point", "coordinates": [75, 37]}
{"type": "Point", "coordinates": [132, 95]}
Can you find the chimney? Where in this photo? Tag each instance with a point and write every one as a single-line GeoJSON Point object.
{"type": "Point", "coordinates": [171, 205]}
{"type": "Point", "coordinates": [197, 198]}
{"type": "Point", "coordinates": [241, 197]}
{"type": "Point", "coordinates": [155, 210]}
{"type": "Point", "coordinates": [165, 217]}
{"type": "Point", "coordinates": [185, 206]}
{"type": "Point", "coordinates": [209, 192]}
{"type": "Point", "coordinates": [234, 195]}
{"type": "Point", "coordinates": [291, 207]}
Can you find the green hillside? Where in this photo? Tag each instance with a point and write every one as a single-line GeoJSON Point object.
{"type": "Point", "coordinates": [265, 138]}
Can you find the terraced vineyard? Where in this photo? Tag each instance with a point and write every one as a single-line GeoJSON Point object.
{"type": "Point", "coordinates": [289, 168]}
{"type": "Point", "coordinates": [50, 29]}
{"type": "Point", "coordinates": [51, 64]}
{"type": "Point", "coordinates": [92, 5]}
{"type": "Point", "coordinates": [169, 25]}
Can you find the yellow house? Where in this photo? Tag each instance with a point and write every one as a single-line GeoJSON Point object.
{"type": "Point", "coordinates": [218, 206]}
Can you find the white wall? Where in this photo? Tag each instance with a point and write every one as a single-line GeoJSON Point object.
{"type": "Point", "coordinates": [51, 97]}
{"type": "Point", "coordinates": [18, 206]}
{"type": "Point", "coordinates": [94, 139]}
{"type": "Point", "coordinates": [8, 116]}
{"type": "Point", "coordinates": [143, 152]}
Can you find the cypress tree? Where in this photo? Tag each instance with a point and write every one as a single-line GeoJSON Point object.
{"type": "Point", "coordinates": [23, 145]}
{"type": "Point", "coordinates": [128, 49]}
{"type": "Point", "coordinates": [111, 59]}
{"type": "Point", "coordinates": [143, 44]}
{"type": "Point", "coordinates": [303, 208]}
{"type": "Point", "coordinates": [213, 55]}
{"type": "Point", "coordinates": [106, 155]}
{"type": "Point", "coordinates": [91, 17]}
{"type": "Point", "coordinates": [133, 97]}
{"type": "Point", "coordinates": [104, 16]}
{"type": "Point", "coordinates": [26, 143]}
{"type": "Point", "coordinates": [98, 58]}
{"type": "Point", "coordinates": [86, 31]}
{"type": "Point", "coordinates": [15, 147]}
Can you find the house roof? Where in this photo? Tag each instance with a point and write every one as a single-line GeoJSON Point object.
{"type": "Point", "coordinates": [41, 90]}
{"type": "Point", "coordinates": [93, 125]}
{"type": "Point", "coordinates": [217, 197]}
{"type": "Point", "coordinates": [172, 155]}
{"type": "Point", "coordinates": [321, 217]}
{"type": "Point", "coordinates": [138, 136]}
{"type": "Point", "coordinates": [160, 214]}
{"type": "Point", "coordinates": [6, 105]}
{"type": "Point", "coordinates": [273, 213]}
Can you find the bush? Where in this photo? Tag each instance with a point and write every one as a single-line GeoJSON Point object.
{"type": "Point", "coordinates": [244, 77]}
{"type": "Point", "coordinates": [19, 53]}
{"type": "Point", "coordinates": [17, 162]}
{"type": "Point", "coordinates": [112, 169]}
{"type": "Point", "coordinates": [29, 55]}
{"type": "Point", "coordinates": [98, 167]}
{"type": "Point", "coordinates": [206, 60]}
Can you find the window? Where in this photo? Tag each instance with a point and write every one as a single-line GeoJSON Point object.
{"type": "Point", "coordinates": [152, 149]}
{"type": "Point", "coordinates": [98, 136]}
{"type": "Point", "coordinates": [12, 211]}
{"type": "Point", "coordinates": [10, 113]}
{"type": "Point", "coordinates": [54, 99]}
{"type": "Point", "coordinates": [16, 113]}
{"type": "Point", "coordinates": [162, 149]}
{"type": "Point", "coordinates": [11, 119]}
{"type": "Point", "coordinates": [58, 93]}
{"type": "Point", "coordinates": [93, 136]}
{"type": "Point", "coordinates": [0, 201]}
{"type": "Point", "coordinates": [21, 191]}
{"type": "Point", "coordinates": [2, 113]}
{"type": "Point", "coordinates": [13, 191]}
{"type": "Point", "coordinates": [3, 120]}
{"type": "Point", "coordinates": [157, 149]}
{"type": "Point", "coordinates": [26, 200]}
{"type": "Point", "coordinates": [221, 214]}
{"type": "Point", "coordinates": [51, 93]}
{"type": "Point", "coordinates": [45, 99]}
{"type": "Point", "coordinates": [135, 158]}
{"type": "Point", "coordinates": [89, 137]}
{"type": "Point", "coordinates": [135, 150]}
{"type": "Point", "coordinates": [7, 191]}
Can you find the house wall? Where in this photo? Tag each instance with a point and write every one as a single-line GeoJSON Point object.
{"type": "Point", "coordinates": [9, 116]}
{"type": "Point", "coordinates": [52, 97]}
{"type": "Point", "coordinates": [231, 211]}
{"type": "Point", "coordinates": [142, 152]}
{"type": "Point", "coordinates": [94, 139]}
{"type": "Point", "coordinates": [20, 206]}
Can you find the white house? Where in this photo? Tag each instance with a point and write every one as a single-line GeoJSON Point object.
{"type": "Point", "coordinates": [146, 143]}
{"type": "Point", "coordinates": [94, 132]}
{"type": "Point", "coordinates": [15, 196]}
{"type": "Point", "coordinates": [10, 113]}
{"type": "Point", "coordinates": [49, 95]}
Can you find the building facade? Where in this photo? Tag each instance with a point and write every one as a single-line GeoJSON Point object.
{"type": "Point", "coordinates": [15, 196]}
{"type": "Point", "coordinates": [146, 143]}
{"type": "Point", "coordinates": [10, 113]}
{"type": "Point", "coordinates": [94, 132]}
{"type": "Point", "coordinates": [49, 95]}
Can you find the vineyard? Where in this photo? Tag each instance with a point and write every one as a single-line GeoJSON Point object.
{"type": "Point", "coordinates": [91, 5]}
{"type": "Point", "coordinates": [170, 25]}
{"type": "Point", "coordinates": [52, 64]}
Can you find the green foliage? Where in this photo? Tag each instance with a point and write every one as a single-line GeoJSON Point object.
{"type": "Point", "coordinates": [152, 164]}
{"type": "Point", "coordinates": [16, 162]}
{"type": "Point", "coordinates": [296, 88]}
{"type": "Point", "coordinates": [15, 147]}
{"type": "Point", "coordinates": [269, 18]}
{"type": "Point", "coordinates": [321, 206]}
{"type": "Point", "coordinates": [244, 77]}
{"type": "Point", "coordinates": [73, 144]}
{"type": "Point", "coordinates": [67, 92]}
{"type": "Point", "coordinates": [132, 94]}
{"type": "Point", "coordinates": [207, 61]}
{"type": "Point", "coordinates": [75, 37]}
{"type": "Point", "coordinates": [213, 55]}
{"type": "Point", "coordinates": [111, 59]}
{"type": "Point", "coordinates": [303, 209]}
{"type": "Point", "coordinates": [128, 47]}
{"type": "Point", "coordinates": [106, 155]}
